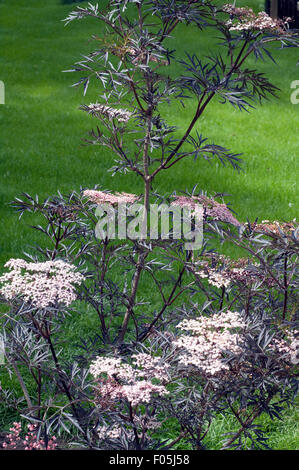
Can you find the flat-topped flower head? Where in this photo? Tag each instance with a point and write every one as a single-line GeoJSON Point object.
{"type": "Point", "coordinates": [210, 339]}
{"type": "Point", "coordinates": [215, 210]}
{"type": "Point", "coordinates": [109, 432]}
{"type": "Point", "coordinates": [100, 110]}
{"type": "Point", "coordinates": [244, 19]}
{"type": "Point", "coordinates": [112, 367]}
{"type": "Point", "coordinates": [287, 347]}
{"type": "Point", "coordinates": [151, 367]}
{"type": "Point", "coordinates": [118, 380]}
{"type": "Point", "coordinates": [42, 283]}
{"type": "Point", "coordinates": [242, 12]}
{"type": "Point", "coordinates": [102, 197]}
{"type": "Point", "coordinates": [275, 227]}
{"type": "Point", "coordinates": [222, 271]}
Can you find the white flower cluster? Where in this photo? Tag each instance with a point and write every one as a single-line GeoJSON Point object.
{"type": "Point", "coordinates": [222, 272]}
{"type": "Point", "coordinates": [121, 115]}
{"type": "Point", "coordinates": [109, 432]}
{"type": "Point", "coordinates": [111, 366]}
{"type": "Point", "coordinates": [43, 284]}
{"type": "Point", "coordinates": [263, 22]}
{"type": "Point", "coordinates": [294, 351]}
{"type": "Point", "coordinates": [140, 392]}
{"type": "Point", "coordinates": [247, 20]}
{"type": "Point", "coordinates": [128, 382]}
{"type": "Point", "coordinates": [215, 278]}
{"type": "Point", "coordinates": [288, 347]}
{"type": "Point", "coordinates": [275, 227]}
{"type": "Point", "coordinates": [210, 340]}
{"type": "Point", "coordinates": [150, 367]}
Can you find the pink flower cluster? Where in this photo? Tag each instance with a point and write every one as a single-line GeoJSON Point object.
{"type": "Point", "coordinates": [222, 271]}
{"type": "Point", "coordinates": [248, 20]}
{"type": "Point", "coordinates": [150, 367]}
{"type": "Point", "coordinates": [239, 12]}
{"type": "Point", "coordinates": [121, 115]}
{"type": "Point", "coordinates": [212, 208]}
{"type": "Point", "coordinates": [119, 380]}
{"type": "Point", "coordinates": [210, 340]}
{"type": "Point", "coordinates": [43, 284]}
{"type": "Point", "coordinates": [287, 347]}
{"type": "Point", "coordinates": [275, 227]}
{"type": "Point", "coordinates": [30, 442]}
{"type": "Point", "coordinates": [109, 432]}
{"type": "Point", "coordinates": [101, 197]}
{"type": "Point", "coordinates": [217, 279]}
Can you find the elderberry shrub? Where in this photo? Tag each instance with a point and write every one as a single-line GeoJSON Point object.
{"type": "Point", "coordinates": [217, 335]}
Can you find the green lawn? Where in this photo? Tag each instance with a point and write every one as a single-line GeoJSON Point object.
{"type": "Point", "coordinates": [42, 129]}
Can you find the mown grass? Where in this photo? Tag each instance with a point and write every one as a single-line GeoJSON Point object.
{"type": "Point", "coordinates": [42, 130]}
{"type": "Point", "coordinates": [42, 127]}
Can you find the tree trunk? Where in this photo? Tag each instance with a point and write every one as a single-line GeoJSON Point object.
{"type": "Point", "coordinates": [274, 9]}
